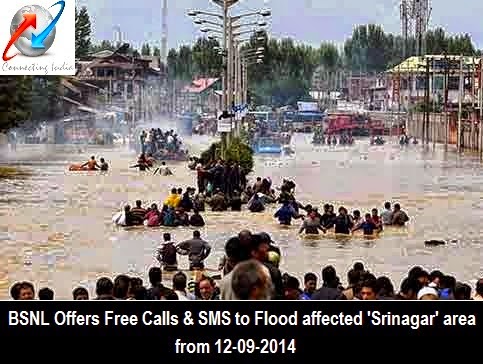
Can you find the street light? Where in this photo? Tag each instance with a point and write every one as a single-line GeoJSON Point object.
{"type": "Point", "coordinates": [265, 12]}
{"type": "Point", "coordinates": [204, 21]}
{"type": "Point", "coordinates": [260, 49]}
{"type": "Point", "coordinates": [192, 13]}
{"type": "Point", "coordinates": [262, 23]}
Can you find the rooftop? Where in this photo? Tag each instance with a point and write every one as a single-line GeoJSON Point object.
{"type": "Point", "coordinates": [418, 64]}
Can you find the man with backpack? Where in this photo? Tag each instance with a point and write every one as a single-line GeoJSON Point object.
{"type": "Point", "coordinates": [166, 254]}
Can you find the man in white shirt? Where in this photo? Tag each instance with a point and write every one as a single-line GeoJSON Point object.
{"type": "Point", "coordinates": [386, 215]}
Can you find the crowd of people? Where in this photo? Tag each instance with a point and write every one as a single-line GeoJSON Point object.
{"type": "Point", "coordinates": [175, 211]}
{"type": "Point", "coordinates": [251, 271]}
{"type": "Point", "coordinates": [161, 145]}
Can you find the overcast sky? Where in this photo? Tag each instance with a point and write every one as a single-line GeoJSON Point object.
{"type": "Point", "coordinates": [310, 21]}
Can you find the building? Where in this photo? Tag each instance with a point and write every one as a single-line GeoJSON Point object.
{"type": "Point", "coordinates": [201, 96]}
{"type": "Point", "coordinates": [132, 84]}
{"type": "Point", "coordinates": [359, 87]}
{"type": "Point", "coordinates": [378, 92]}
{"type": "Point", "coordinates": [407, 80]}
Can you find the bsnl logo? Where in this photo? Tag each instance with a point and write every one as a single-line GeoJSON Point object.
{"type": "Point", "coordinates": [27, 318]}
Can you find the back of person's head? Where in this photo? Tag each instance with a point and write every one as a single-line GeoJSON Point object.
{"type": "Point", "coordinates": [121, 286]}
{"type": "Point", "coordinates": [384, 286]}
{"type": "Point", "coordinates": [387, 205]}
{"type": "Point", "coordinates": [479, 287]}
{"type": "Point", "coordinates": [358, 266]}
{"type": "Point", "coordinates": [166, 236]}
{"type": "Point", "coordinates": [104, 286]}
{"type": "Point", "coordinates": [353, 277]}
{"type": "Point", "coordinates": [410, 286]}
{"type": "Point", "coordinates": [173, 191]}
{"type": "Point", "coordinates": [139, 203]}
{"type": "Point", "coordinates": [180, 281]}
{"type": "Point", "coordinates": [448, 282]}
{"type": "Point", "coordinates": [329, 274]}
{"type": "Point", "coordinates": [292, 283]}
{"type": "Point", "coordinates": [414, 272]}
{"type": "Point", "coordinates": [462, 291]}
{"type": "Point", "coordinates": [155, 276]}
{"type": "Point", "coordinates": [15, 291]}
{"type": "Point", "coordinates": [235, 251]}
{"type": "Point", "coordinates": [249, 281]}
{"type": "Point", "coordinates": [196, 234]}
{"type": "Point", "coordinates": [46, 294]}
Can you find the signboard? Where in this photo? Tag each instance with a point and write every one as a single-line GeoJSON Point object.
{"type": "Point", "coordinates": [396, 85]}
{"type": "Point", "coordinates": [307, 106]}
{"type": "Point", "coordinates": [223, 125]}
{"type": "Point", "coordinates": [478, 76]}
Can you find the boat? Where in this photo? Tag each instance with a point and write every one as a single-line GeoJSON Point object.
{"type": "Point", "coordinates": [267, 145]}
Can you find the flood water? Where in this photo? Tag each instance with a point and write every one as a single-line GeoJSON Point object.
{"type": "Point", "coordinates": [56, 229]}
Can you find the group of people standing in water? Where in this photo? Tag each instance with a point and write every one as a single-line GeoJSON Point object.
{"type": "Point", "coordinates": [175, 212]}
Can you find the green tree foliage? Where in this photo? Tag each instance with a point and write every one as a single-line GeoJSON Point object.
{"type": "Point", "coordinates": [238, 152]}
{"type": "Point", "coordinates": [370, 49]}
{"type": "Point", "coordinates": [145, 49]}
{"type": "Point", "coordinates": [102, 46]}
{"type": "Point", "coordinates": [15, 97]}
{"type": "Point", "coordinates": [201, 60]}
{"type": "Point", "coordinates": [82, 33]}
{"type": "Point", "coordinates": [156, 52]}
{"type": "Point", "coordinates": [45, 103]}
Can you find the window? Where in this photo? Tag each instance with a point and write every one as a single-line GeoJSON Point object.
{"type": "Point", "coordinates": [438, 82]}
{"type": "Point", "coordinates": [420, 83]}
{"type": "Point", "coordinates": [453, 83]}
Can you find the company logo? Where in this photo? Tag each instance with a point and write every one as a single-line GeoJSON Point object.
{"type": "Point", "coordinates": [32, 30]}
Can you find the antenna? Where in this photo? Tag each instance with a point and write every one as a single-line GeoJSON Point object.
{"type": "Point", "coordinates": [164, 32]}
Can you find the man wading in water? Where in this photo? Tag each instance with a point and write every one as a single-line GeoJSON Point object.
{"type": "Point", "coordinates": [311, 224]}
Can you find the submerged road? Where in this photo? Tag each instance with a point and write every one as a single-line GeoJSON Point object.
{"type": "Point", "coordinates": [56, 230]}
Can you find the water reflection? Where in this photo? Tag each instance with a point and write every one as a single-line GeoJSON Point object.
{"type": "Point", "coordinates": [56, 226]}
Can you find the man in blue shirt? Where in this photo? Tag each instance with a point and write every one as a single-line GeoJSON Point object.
{"type": "Point", "coordinates": [368, 226]}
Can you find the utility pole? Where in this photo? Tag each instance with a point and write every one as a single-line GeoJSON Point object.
{"type": "Point", "coordinates": [230, 76]}
{"type": "Point", "coordinates": [480, 102]}
{"type": "Point", "coordinates": [427, 101]}
{"type": "Point", "coordinates": [224, 138]}
{"type": "Point", "coordinates": [236, 77]}
{"type": "Point", "coordinates": [445, 102]}
{"type": "Point", "coordinates": [460, 104]}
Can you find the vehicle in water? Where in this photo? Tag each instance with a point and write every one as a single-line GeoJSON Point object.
{"type": "Point", "coordinates": [267, 145]}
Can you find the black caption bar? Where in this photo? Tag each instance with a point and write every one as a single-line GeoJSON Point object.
{"type": "Point", "coordinates": [225, 328]}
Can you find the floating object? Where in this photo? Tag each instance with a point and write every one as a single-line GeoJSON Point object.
{"type": "Point", "coordinates": [434, 242]}
{"type": "Point", "coordinates": [77, 168]}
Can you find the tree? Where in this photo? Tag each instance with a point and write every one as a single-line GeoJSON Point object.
{"type": "Point", "coordinates": [15, 96]}
{"type": "Point", "coordinates": [156, 52]}
{"type": "Point", "coordinates": [102, 46]}
{"type": "Point", "coordinates": [45, 98]}
{"type": "Point", "coordinates": [145, 49]}
{"type": "Point", "coordinates": [82, 33]}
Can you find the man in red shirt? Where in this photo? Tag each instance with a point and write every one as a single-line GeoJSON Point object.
{"type": "Point", "coordinates": [376, 219]}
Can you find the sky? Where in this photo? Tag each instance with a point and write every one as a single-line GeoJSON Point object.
{"type": "Point", "coordinates": [310, 21]}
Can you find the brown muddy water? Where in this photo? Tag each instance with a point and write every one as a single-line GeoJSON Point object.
{"type": "Point", "coordinates": [56, 229]}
